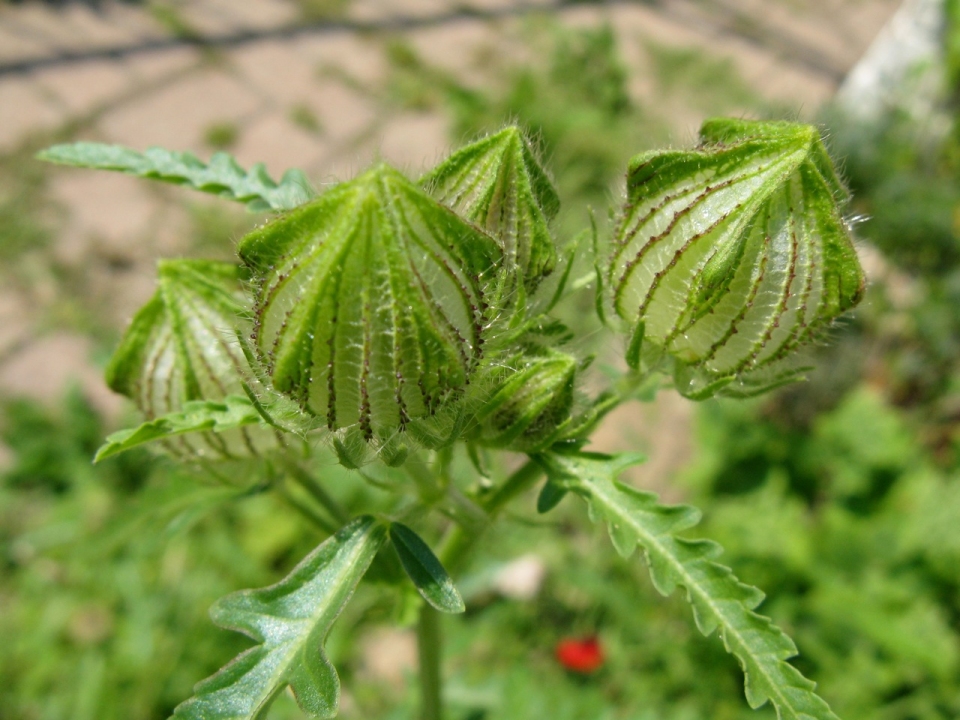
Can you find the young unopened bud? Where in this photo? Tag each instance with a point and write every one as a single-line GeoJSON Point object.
{"type": "Point", "coordinates": [182, 346]}
{"type": "Point", "coordinates": [369, 311]}
{"type": "Point", "coordinates": [730, 257]}
{"type": "Point", "coordinates": [498, 184]}
{"type": "Point", "coordinates": [531, 403]}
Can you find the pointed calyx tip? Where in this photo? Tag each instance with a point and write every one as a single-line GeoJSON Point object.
{"type": "Point", "coordinates": [733, 255]}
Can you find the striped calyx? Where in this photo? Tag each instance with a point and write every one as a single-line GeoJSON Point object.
{"type": "Point", "coordinates": [729, 257]}
{"type": "Point", "coordinates": [531, 403]}
{"type": "Point", "coordinates": [498, 184]}
{"type": "Point", "coordinates": [182, 346]}
{"type": "Point", "coordinates": [369, 310]}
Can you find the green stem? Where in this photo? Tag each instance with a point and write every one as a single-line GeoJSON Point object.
{"type": "Point", "coordinates": [460, 540]}
{"type": "Point", "coordinates": [517, 484]}
{"type": "Point", "coordinates": [429, 652]}
{"type": "Point", "coordinates": [308, 512]}
{"type": "Point", "coordinates": [456, 547]}
{"type": "Point", "coordinates": [309, 483]}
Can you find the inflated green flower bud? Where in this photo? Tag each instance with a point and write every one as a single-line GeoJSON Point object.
{"type": "Point", "coordinates": [533, 400]}
{"type": "Point", "coordinates": [498, 183]}
{"type": "Point", "coordinates": [369, 311]}
{"type": "Point", "coordinates": [182, 346]}
{"type": "Point", "coordinates": [730, 257]}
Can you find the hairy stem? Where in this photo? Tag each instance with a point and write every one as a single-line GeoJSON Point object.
{"type": "Point", "coordinates": [457, 545]}
{"type": "Point", "coordinates": [308, 512]}
{"type": "Point", "coordinates": [460, 540]}
{"type": "Point", "coordinates": [309, 483]}
{"type": "Point", "coordinates": [429, 652]}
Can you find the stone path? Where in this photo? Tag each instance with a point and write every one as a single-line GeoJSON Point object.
{"type": "Point", "coordinates": [290, 92]}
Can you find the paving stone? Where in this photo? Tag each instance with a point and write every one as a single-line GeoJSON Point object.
{"type": "Point", "coordinates": [219, 17]}
{"type": "Point", "coordinates": [839, 40]}
{"type": "Point", "coordinates": [795, 87]}
{"type": "Point", "coordinates": [49, 366]}
{"type": "Point", "coordinates": [489, 5]}
{"type": "Point", "coordinates": [177, 116]}
{"type": "Point", "coordinates": [458, 47]}
{"type": "Point", "coordinates": [132, 20]}
{"type": "Point", "coordinates": [665, 426]}
{"type": "Point", "coordinates": [96, 27]}
{"type": "Point", "coordinates": [160, 64]}
{"type": "Point", "coordinates": [415, 142]}
{"type": "Point", "coordinates": [263, 13]}
{"type": "Point", "coordinates": [343, 164]}
{"type": "Point", "coordinates": [278, 70]}
{"type": "Point", "coordinates": [14, 47]}
{"type": "Point", "coordinates": [379, 9]}
{"type": "Point", "coordinates": [40, 23]}
{"type": "Point", "coordinates": [15, 319]}
{"type": "Point", "coordinates": [84, 87]}
{"type": "Point", "coordinates": [207, 18]}
{"type": "Point", "coordinates": [24, 110]}
{"type": "Point", "coordinates": [360, 59]}
{"type": "Point", "coordinates": [278, 143]}
{"type": "Point", "coordinates": [108, 212]}
{"type": "Point", "coordinates": [118, 295]}
{"type": "Point", "coordinates": [173, 233]}
{"type": "Point", "coordinates": [343, 112]}
{"type": "Point", "coordinates": [388, 655]}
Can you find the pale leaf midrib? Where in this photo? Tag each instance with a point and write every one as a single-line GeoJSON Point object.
{"type": "Point", "coordinates": [652, 544]}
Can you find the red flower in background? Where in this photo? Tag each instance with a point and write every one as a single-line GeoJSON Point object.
{"type": "Point", "coordinates": [582, 656]}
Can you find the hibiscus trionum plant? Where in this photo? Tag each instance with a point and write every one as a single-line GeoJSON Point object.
{"type": "Point", "coordinates": [405, 323]}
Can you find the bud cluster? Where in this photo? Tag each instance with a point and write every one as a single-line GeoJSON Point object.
{"type": "Point", "coordinates": [398, 313]}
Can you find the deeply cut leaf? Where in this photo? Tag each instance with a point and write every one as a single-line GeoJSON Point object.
{"type": "Point", "coordinates": [197, 416]}
{"type": "Point", "coordinates": [290, 621]}
{"type": "Point", "coordinates": [425, 570]}
{"type": "Point", "coordinates": [720, 601]}
{"type": "Point", "coordinates": [733, 255]}
{"type": "Point", "coordinates": [222, 176]}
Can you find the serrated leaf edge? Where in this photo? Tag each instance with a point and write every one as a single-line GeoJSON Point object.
{"type": "Point", "coordinates": [233, 411]}
{"type": "Point", "coordinates": [778, 693]}
{"type": "Point", "coordinates": [221, 176]}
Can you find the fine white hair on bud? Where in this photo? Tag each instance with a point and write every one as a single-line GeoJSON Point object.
{"type": "Point", "coordinates": [182, 346]}
{"type": "Point", "coordinates": [531, 404]}
{"type": "Point", "coordinates": [728, 258]}
{"type": "Point", "coordinates": [498, 183]}
{"type": "Point", "coordinates": [369, 311]}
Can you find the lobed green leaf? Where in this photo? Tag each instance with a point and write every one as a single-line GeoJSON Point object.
{"type": "Point", "coordinates": [222, 176]}
{"type": "Point", "coordinates": [719, 600]}
{"type": "Point", "coordinates": [290, 622]}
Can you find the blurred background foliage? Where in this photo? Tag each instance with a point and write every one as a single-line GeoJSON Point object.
{"type": "Point", "coordinates": [839, 497]}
